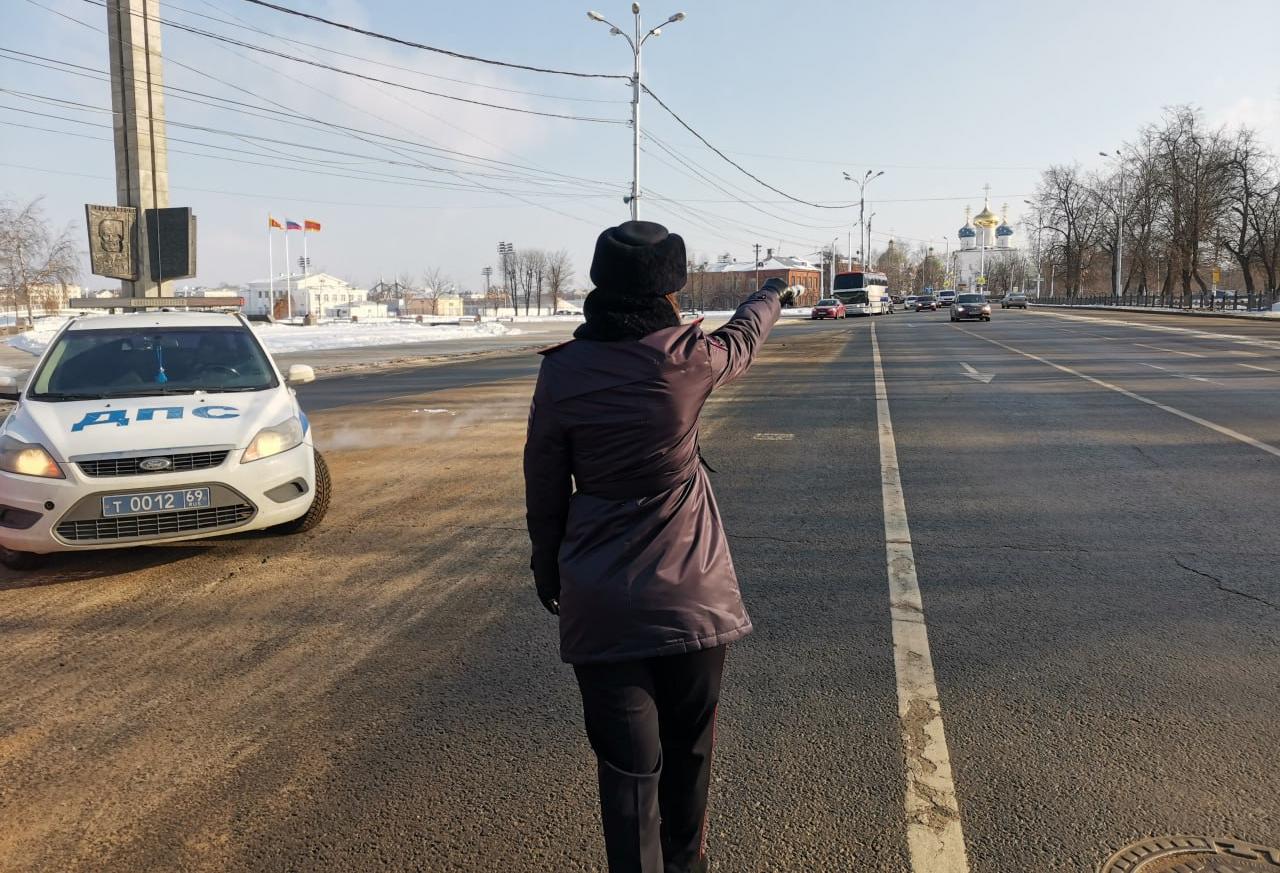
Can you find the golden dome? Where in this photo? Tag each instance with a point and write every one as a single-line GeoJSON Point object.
{"type": "Point", "coordinates": [986, 218]}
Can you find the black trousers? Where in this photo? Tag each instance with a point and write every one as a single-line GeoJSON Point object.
{"type": "Point", "coordinates": [652, 726]}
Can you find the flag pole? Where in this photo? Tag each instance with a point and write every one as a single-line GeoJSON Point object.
{"type": "Point", "coordinates": [271, 270]}
{"type": "Point", "coordinates": [306, 263]}
{"type": "Point", "coordinates": [288, 276]}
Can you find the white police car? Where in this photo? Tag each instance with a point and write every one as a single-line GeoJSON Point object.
{"type": "Point", "coordinates": [153, 427]}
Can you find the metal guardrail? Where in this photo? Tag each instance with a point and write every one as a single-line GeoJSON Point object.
{"type": "Point", "coordinates": [1196, 302]}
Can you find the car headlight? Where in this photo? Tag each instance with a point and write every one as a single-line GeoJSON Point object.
{"type": "Point", "coordinates": [986, 309]}
{"type": "Point", "coordinates": [28, 459]}
{"type": "Point", "coordinates": [273, 440]}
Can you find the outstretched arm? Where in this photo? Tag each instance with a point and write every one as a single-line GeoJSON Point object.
{"type": "Point", "coordinates": [734, 346]}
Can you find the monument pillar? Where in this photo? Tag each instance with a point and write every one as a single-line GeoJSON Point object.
{"type": "Point", "coordinates": [137, 101]}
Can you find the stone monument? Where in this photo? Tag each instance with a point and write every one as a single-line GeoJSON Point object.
{"type": "Point", "coordinates": [142, 168]}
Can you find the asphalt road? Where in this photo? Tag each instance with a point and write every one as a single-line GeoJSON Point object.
{"type": "Point", "coordinates": [1092, 511]}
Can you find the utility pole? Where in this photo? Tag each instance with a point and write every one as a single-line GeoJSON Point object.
{"type": "Point", "coordinates": [137, 104]}
{"type": "Point", "coordinates": [636, 45]}
{"type": "Point", "coordinates": [757, 248]}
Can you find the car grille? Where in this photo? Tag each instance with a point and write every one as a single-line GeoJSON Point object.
{"type": "Point", "coordinates": [129, 466]}
{"type": "Point", "coordinates": [159, 524]}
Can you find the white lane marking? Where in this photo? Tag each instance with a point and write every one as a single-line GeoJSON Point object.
{"type": "Point", "coordinates": [776, 437]}
{"type": "Point", "coordinates": [984, 378]}
{"type": "Point", "coordinates": [1256, 367]}
{"type": "Point", "coordinates": [935, 841]}
{"type": "Point", "coordinates": [1170, 351]}
{"type": "Point", "coordinates": [1203, 422]}
{"type": "Point", "coordinates": [1179, 375]}
{"type": "Point", "coordinates": [1243, 353]}
{"type": "Point", "coordinates": [1194, 332]}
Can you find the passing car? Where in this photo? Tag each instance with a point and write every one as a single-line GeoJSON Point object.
{"type": "Point", "coordinates": [1014, 301]}
{"type": "Point", "coordinates": [909, 302]}
{"type": "Point", "coordinates": [926, 303]}
{"type": "Point", "coordinates": [154, 427]}
{"type": "Point", "coordinates": [831, 308]}
{"type": "Point", "coordinates": [971, 306]}
{"type": "Point", "coordinates": [946, 297]}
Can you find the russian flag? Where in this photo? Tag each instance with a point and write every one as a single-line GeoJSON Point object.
{"type": "Point", "coordinates": [290, 224]}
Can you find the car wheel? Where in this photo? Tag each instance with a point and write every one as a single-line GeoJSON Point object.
{"type": "Point", "coordinates": [319, 504]}
{"type": "Point", "coordinates": [21, 560]}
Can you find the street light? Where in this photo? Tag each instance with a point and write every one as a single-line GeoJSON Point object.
{"type": "Point", "coordinates": [1115, 283]}
{"type": "Point", "coordinates": [864, 240]}
{"type": "Point", "coordinates": [636, 45]}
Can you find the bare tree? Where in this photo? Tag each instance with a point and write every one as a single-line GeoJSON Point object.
{"type": "Point", "coordinates": [435, 281]}
{"type": "Point", "coordinates": [559, 275]}
{"type": "Point", "coordinates": [36, 264]}
{"type": "Point", "coordinates": [530, 265]}
{"type": "Point", "coordinates": [1069, 207]}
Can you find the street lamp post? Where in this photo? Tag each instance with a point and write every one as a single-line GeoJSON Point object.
{"type": "Point", "coordinates": [864, 239]}
{"type": "Point", "coordinates": [1115, 282]}
{"type": "Point", "coordinates": [636, 45]}
{"type": "Point", "coordinates": [831, 286]}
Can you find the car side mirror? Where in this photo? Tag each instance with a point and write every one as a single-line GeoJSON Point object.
{"type": "Point", "coordinates": [9, 389]}
{"type": "Point", "coordinates": [300, 374]}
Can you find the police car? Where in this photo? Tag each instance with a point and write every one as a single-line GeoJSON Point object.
{"type": "Point", "coordinates": [154, 427]}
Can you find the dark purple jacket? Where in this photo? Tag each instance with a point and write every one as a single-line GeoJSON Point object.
{"type": "Point", "coordinates": [620, 510]}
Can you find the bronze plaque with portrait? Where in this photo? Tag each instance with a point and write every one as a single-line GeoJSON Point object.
{"type": "Point", "coordinates": [113, 235]}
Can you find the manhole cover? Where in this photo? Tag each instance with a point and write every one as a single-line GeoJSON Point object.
{"type": "Point", "coordinates": [1193, 855]}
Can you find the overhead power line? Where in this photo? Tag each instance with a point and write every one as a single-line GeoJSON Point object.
{"type": "Point", "coordinates": [728, 159]}
{"type": "Point", "coordinates": [208, 34]}
{"type": "Point", "coordinates": [241, 24]}
{"type": "Point", "coordinates": [430, 48]}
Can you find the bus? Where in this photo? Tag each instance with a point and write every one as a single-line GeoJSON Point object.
{"type": "Point", "coordinates": [863, 293]}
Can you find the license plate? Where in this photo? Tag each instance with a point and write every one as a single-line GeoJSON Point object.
{"type": "Point", "coordinates": [155, 501]}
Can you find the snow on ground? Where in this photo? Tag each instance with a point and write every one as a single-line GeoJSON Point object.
{"type": "Point", "coordinates": [280, 338]}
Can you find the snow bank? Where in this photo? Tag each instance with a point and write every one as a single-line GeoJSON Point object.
{"type": "Point", "coordinates": [280, 338]}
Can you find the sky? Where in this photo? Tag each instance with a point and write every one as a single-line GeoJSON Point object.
{"type": "Point", "coordinates": [944, 97]}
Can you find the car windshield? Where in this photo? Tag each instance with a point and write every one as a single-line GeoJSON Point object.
{"type": "Point", "coordinates": [971, 298]}
{"type": "Point", "coordinates": [828, 302]}
{"type": "Point", "coordinates": [91, 364]}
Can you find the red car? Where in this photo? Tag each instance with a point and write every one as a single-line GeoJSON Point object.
{"type": "Point", "coordinates": [828, 309]}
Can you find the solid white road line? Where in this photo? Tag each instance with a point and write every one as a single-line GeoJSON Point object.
{"type": "Point", "coordinates": [1170, 351]}
{"type": "Point", "coordinates": [1256, 367]}
{"type": "Point", "coordinates": [1194, 332]}
{"type": "Point", "coordinates": [1203, 422]}
{"type": "Point", "coordinates": [1179, 375]}
{"type": "Point", "coordinates": [935, 841]}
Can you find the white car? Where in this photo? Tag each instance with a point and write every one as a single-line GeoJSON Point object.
{"type": "Point", "coordinates": [154, 427]}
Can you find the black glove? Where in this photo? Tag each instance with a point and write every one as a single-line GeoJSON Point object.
{"type": "Point", "coordinates": [786, 296]}
{"type": "Point", "coordinates": [550, 598]}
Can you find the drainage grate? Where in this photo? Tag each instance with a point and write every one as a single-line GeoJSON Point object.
{"type": "Point", "coordinates": [1182, 854]}
{"type": "Point", "coordinates": [160, 524]}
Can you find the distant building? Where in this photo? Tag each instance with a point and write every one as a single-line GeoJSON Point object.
{"type": "Point", "coordinates": [318, 294]}
{"type": "Point", "coordinates": [447, 305]}
{"type": "Point", "coordinates": [366, 310]}
{"type": "Point", "coordinates": [986, 243]}
{"type": "Point", "coordinates": [724, 285]}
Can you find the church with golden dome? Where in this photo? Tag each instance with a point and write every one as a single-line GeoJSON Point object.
{"type": "Point", "coordinates": [985, 240]}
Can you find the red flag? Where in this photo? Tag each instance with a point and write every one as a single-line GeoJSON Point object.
{"type": "Point", "coordinates": [308, 224]}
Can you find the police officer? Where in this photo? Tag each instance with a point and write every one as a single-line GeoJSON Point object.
{"type": "Point", "coordinates": [628, 546]}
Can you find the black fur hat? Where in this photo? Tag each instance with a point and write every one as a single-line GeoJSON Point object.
{"type": "Point", "coordinates": [639, 259]}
